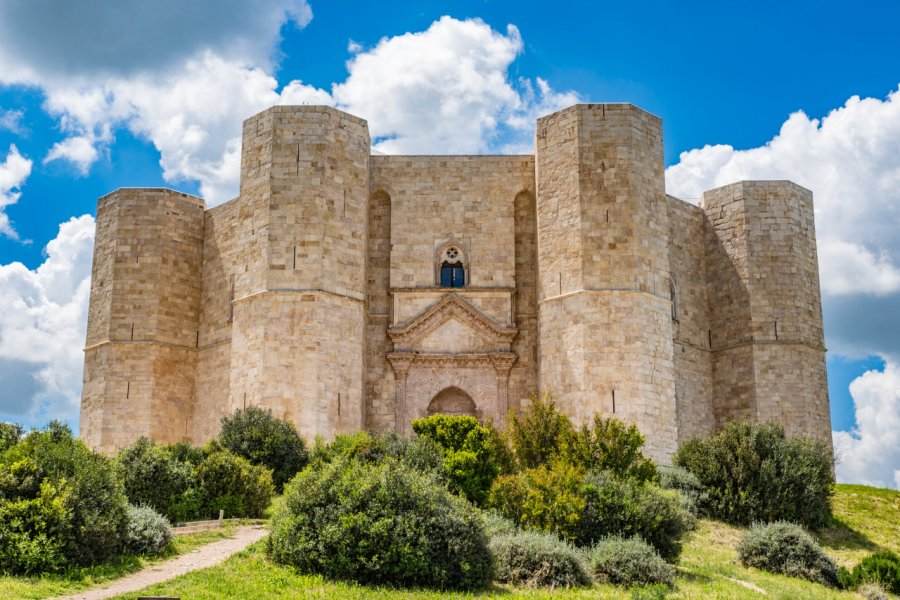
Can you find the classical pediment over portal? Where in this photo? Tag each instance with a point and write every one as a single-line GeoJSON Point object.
{"type": "Point", "coordinates": [452, 325]}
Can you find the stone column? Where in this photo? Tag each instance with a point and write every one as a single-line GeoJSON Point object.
{"type": "Point", "coordinates": [502, 364]}
{"type": "Point", "coordinates": [401, 363]}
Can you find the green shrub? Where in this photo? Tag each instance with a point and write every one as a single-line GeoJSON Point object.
{"type": "Point", "coordinates": [229, 482]}
{"type": "Point", "coordinates": [881, 568]}
{"type": "Point", "coordinates": [10, 434]}
{"type": "Point", "coordinates": [34, 531]}
{"type": "Point", "coordinates": [786, 548]}
{"type": "Point", "coordinates": [420, 453]}
{"type": "Point", "coordinates": [627, 508]}
{"type": "Point", "coordinates": [79, 508]}
{"type": "Point", "coordinates": [154, 477]}
{"type": "Point", "coordinates": [496, 524]}
{"type": "Point", "coordinates": [471, 453]}
{"type": "Point", "coordinates": [380, 523]}
{"type": "Point", "coordinates": [148, 531]}
{"type": "Point", "coordinates": [610, 445]}
{"type": "Point", "coordinates": [534, 559]}
{"type": "Point", "coordinates": [538, 433]}
{"type": "Point", "coordinates": [685, 482]}
{"type": "Point", "coordinates": [263, 439]}
{"type": "Point", "coordinates": [546, 498]}
{"type": "Point", "coordinates": [630, 561]}
{"type": "Point", "coordinates": [755, 473]}
{"type": "Point", "coordinates": [584, 509]}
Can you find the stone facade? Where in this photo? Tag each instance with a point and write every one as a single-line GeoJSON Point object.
{"type": "Point", "coordinates": [346, 290]}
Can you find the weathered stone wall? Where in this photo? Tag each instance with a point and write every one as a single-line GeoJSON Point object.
{"type": "Point", "coordinates": [315, 292]}
{"type": "Point", "coordinates": [690, 319]}
{"type": "Point", "coordinates": [604, 308]}
{"type": "Point", "coordinates": [140, 355]}
{"type": "Point", "coordinates": [766, 305]}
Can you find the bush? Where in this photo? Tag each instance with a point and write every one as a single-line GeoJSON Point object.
{"type": "Point", "coordinates": [538, 433]}
{"type": "Point", "coordinates": [471, 453]}
{"type": "Point", "coordinates": [584, 509]}
{"type": "Point", "coordinates": [34, 531]}
{"type": "Point", "coordinates": [546, 498]}
{"type": "Point", "coordinates": [534, 559]}
{"type": "Point", "coordinates": [380, 523]}
{"type": "Point", "coordinates": [786, 548]}
{"type": "Point", "coordinates": [10, 434]}
{"type": "Point", "coordinates": [610, 445]}
{"type": "Point", "coordinates": [755, 473]}
{"type": "Point", "coordinates": [154, 477]}
{"type": "Point", "coordinates": [629, 562]}
{"type": "Point", "coordinates": [263, 439]}
{"type": "Point", "coordinates": [881, 568]}
{"type": "Point", "coordinates": [630, 508]}
{"type": "Point", "coordinates": [685, 482]}
{"type": "Point", "coordinates": [420, 453]}
{"type": "Point", "coordinates": [62, 497]}
{"type": "Point", "coordinates": [229, 482]}
{"type": "Point", "coordinates": [496, 524]}
{"type": "Point", "coordinates": [148, 531]}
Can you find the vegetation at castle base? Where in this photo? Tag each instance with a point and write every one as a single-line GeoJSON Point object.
{"type": "Point", "coordinates": [882, 568]}
{"type": "Point", "coordinates": [708, 567]}
{"type": "Point", "coordinates": [382, 523]}
{"type": "Point", "coordinates": [75, 579]}
{"type": "Point", "coordinates": [10, 434]}
{"type": "Point", "coordinates": [473, 454]}
{"type": "Point", "coordinates": [782, 547]}
{"type": "Point", "coordinates": [263, 439]}
{"type": "Point", "coordinates": [755, 473]}
{"type": "Point", "coordinates": [60, 504]}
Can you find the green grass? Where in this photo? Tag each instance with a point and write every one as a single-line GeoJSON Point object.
{"type": "Point", "coordinates": [866, 519]}
{"type": "Point", "coordinates": [75, 580]}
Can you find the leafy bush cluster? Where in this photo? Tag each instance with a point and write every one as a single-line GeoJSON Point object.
{"type": "Point", "coordinates": [881, 569]}
{"type": "Point", "coordinates": [185, 484]}
{"type": "Point", "coordinates": [629, 561]}
{"type": "Point", "coordinates": [586, 484]}
{"type": "Point", "coordinates": [381, 523]}
{"type": "Point", "coordinates": [752, 473]}
{"type": "Point", "coordinates": [684, 482]}
{"type": "Point", "coordinates": [786, 548]}
{"type": "Point", "coordinates": [255, 434]}
{"type": "Point", "coordinates": [473, 454]}
{"type": "Point", "coordinates": [60, 504]}
{"type": "Point", "coordinates": [535, 559]}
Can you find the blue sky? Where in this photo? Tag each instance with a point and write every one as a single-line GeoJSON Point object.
{"type": "Point", "coordinates": [113, 94]}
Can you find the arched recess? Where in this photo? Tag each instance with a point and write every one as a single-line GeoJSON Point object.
{"type": "Point", "coordinates": [452, 401]}
{"type": "Point", "coordinates": [379, 253]}
{"type": "Point", "coordinates": [673, 296]}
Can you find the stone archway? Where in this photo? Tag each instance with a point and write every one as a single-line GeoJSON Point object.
{"type": "Point", "coordinates": [452, 401]}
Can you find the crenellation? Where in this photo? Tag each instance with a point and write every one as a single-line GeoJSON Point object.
{"type": "Point", "coordinates": [346, 290]}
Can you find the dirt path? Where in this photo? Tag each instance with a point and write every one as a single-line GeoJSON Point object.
{"type": "Point", "coordinates": [206, 556]}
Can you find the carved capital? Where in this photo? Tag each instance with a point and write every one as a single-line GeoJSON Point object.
{"type": "Point", "coordinates": [401, 362]}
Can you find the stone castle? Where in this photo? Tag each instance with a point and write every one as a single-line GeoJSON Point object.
{"type": "Point", "coordinates": [346, 290]}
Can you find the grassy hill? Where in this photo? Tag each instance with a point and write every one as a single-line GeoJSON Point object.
{"type": "Point", "coordinates": [866, 519]}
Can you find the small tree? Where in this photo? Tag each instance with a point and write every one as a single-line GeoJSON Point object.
{"type": "Point", "coordinates": [471, 453]}
{"type": "Point", "coordinates": [610, 445]}
{"type": "Point", "coordinates": [263, 439]}
{"type": "Point", "coordinates": [155, 477]}
{"type": "Point", "coordinates": [539, 432]}
{"type": "Point", "coordinates": [10, 434]}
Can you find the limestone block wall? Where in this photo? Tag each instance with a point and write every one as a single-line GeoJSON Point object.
{"type": "Point", "coordinates": [298, 332]}
{"type": "Point", "coordinates": [690, 319]}
{"type": "Point", "coordinates": [140, 355]}
{"type": "Point", "coordinates": [604, 309]}
{"type": "Point", "coordinates": [767, 328]}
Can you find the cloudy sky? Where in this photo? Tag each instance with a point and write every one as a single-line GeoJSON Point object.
{"type": "Point", "coordinates": [100, 94]}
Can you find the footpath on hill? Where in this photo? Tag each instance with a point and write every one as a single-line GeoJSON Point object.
{"type": "Point", "coordinates": [201, 558]}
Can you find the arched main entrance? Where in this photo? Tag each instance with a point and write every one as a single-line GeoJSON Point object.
{"type": "Point", "coordinates": [452, 401]}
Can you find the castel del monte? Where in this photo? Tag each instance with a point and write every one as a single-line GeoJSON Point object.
{"type": "Point", "coordinates": [347, 290]}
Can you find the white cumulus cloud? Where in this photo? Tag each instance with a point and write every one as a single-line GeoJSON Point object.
{"type": "Point", "coordinates": [870, 454]}
{"type": "Point", "coordinates": [43, 316]}
{"type": "Point", "coordinates": [14, 170]}
{"type": "Point", "coordinates": [11, 120]}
